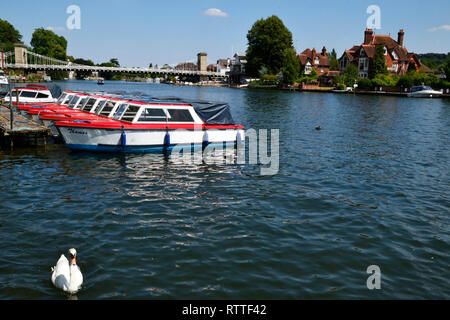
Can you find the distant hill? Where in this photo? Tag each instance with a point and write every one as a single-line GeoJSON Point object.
{"type": "Point", "coordinates": [433, 60]}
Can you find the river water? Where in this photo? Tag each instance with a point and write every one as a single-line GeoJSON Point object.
{"type": "Point", "coordinates": [370, 188]}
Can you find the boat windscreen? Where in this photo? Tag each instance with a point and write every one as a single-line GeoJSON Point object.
{"type": "Point", "coordinates": [106, 108]}
{"type": "Point", "coordinates": [130, 113]}
{"type": "Point", "coordinates": [61, 98]}
{"type": "Point", "coordinates": [73, 102]}
{"type": "Point", "coordinates": [88, 104]}
{"type": "Point", "coordinates": [119, 111]}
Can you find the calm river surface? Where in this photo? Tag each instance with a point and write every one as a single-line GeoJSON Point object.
{"type": "Point", "coordinates": [371, 188]}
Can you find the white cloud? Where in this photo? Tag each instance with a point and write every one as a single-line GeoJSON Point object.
{"type": "Point", "coordinates": [445, 27]}
{"type": "Point", "coordinates": [55, 28]}
{"type": "Point", "coordinates": [215, 12]}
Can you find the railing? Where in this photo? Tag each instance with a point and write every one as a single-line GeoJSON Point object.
{"type": "Point", "coordinates": [40, 62]}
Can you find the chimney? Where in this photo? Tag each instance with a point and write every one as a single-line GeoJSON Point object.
{"type": "Point", "coordinates": [401, 34]}
{"type": "Point", "coordinates": [313, 52]}
{"type": "Point", "coordinates": [324, 51]}
{"type": "Point", "coordinates": [368, 36]}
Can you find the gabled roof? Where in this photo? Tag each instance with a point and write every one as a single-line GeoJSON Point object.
{"type": "Point", "coordinates": [370, 48]}
{"type": "Point", "coordinates": [310, 55]}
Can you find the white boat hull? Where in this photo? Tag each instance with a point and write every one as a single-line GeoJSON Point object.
{"type": "Point", "coordinates": [425, 94]}
{"type": "Point", "coordinates": [99, 139]}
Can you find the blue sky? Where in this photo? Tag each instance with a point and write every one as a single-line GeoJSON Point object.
{"type": "Point", "coordinates": [138, 32]}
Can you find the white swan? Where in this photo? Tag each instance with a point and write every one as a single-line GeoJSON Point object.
{"type": "Point", "coordinates": [67, 276]}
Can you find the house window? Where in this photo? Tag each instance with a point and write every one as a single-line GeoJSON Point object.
{"type": "Point", "coordinates": [344, 63]}
{"type": "Point", "coordinates": [395, 55]}
{"type": "Point", "coordinates": [308, 68]}
{"type": "Point", "coordinates": [363, 64]}
{"type": "Point", "coordinates": [395, 66]}
{"type": "Point", "coordinates": [361, 52]}
{"type": "Point", "coordinates": [385, 51]}
{"type": "Point", "coordinates": [316, 60]}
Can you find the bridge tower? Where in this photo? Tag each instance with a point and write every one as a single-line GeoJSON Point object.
{"type": "Point", "coordinates": [201, 61]}
{"type": "Point", "coordinates": [20, 53]}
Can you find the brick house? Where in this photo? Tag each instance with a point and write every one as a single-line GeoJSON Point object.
{"type": "Point", "coordinates": [312, 60]}
{"type": "Point", "coordinates": [397, 56]}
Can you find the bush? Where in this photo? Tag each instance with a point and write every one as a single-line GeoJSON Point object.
{"type": "Point", "coordinates": [417, 79]}
{"type": "Point", "coordinates": [365, 83]}
{"type": "Point", "coordinates": [340, 86]}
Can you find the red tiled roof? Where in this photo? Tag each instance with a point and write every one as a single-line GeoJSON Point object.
{"type": "Point", "coordinates": [370, 47]}
{"type": "Point", "coordinates": [308, 55]}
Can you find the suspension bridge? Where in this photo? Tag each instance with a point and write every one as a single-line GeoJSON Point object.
{"type": "Point", "coordinates": [23, 59]}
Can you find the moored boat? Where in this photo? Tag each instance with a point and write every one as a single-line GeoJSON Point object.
{"type": "Point", "coordinates": [140, 127]}
{"type": "Point", "coordinates": [31, 93]}
{"type": "Point", "coordinates": [424, 92]}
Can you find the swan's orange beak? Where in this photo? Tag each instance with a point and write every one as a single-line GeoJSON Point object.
{"type": "Point", "coordinates": [73, 260]}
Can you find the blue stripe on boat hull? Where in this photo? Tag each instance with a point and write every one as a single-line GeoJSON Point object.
{"type": "Point", "coordinates": [136, 149]}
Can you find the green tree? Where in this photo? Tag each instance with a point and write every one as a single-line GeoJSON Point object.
{"type": "Point", "coordinates": [267, 41]}
{"type": "Point", "coordinates": [49, 44]}
{"type": "Point", "coordinates": [114, 62]}
{"type": "Point", "coordinates": [8, 36]}
{"type": "Point", "coordinates": [291, 66]}
{"type": "Point", "coordinates": [378, 64]}
{"type": "Point", "coordinates": [411, 67]}
{"type": "Point", "coordinates": [334, 63]}
{"type": "Point", "coordinates": [351, 74]}
{"type": "Point", "coordinates": [83, 74]}
{"type": "Point", "coordinates": [446, 69]}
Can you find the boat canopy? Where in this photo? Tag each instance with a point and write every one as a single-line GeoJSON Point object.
{"type": "Point", "coordinates": [209, 112]}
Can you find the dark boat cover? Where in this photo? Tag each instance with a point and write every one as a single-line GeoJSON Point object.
{"type": "Point", "coordinates": [209, 112]}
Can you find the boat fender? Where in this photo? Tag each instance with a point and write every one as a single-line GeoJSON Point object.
{"type": "Point", "coordinates": [167, 139]}
{"type": "Point", "coordinates": [205, 139]}
{"type": "Point", "coordinates": [123, 139]}
{"type": "Point", "coordinates": [239, 138]}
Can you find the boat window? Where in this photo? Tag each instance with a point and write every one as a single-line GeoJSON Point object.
{"type": "Point", "coordinates": [61, 98]}
{"type": "Point", "coordinates": [98, 106]}
{"type": "Point", "coordinates": [28, 94]}
{"type": "Point", "coordinates": [119, 111]}
{"type": "Point", "coordinates": [88, 105]}
{"type": "Point", "coordinates": [68, 99]}
{"type": "Point", "coordinates": [73, 102]}
{"type": "Point", "coordinates": [106, 109]}
{"type": "Point", "coordinates": [180, 115]}
{"type": "Point", "coordinates": [14, 94]}
{"type": "Point", "coordinates": [42, 96]}
{"type": "Point", "coordinates": [153, 115]}
{"type": "Point", "coordinates": [130, 113]}
{"type": "Point", "coordinates": [81, 103]}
